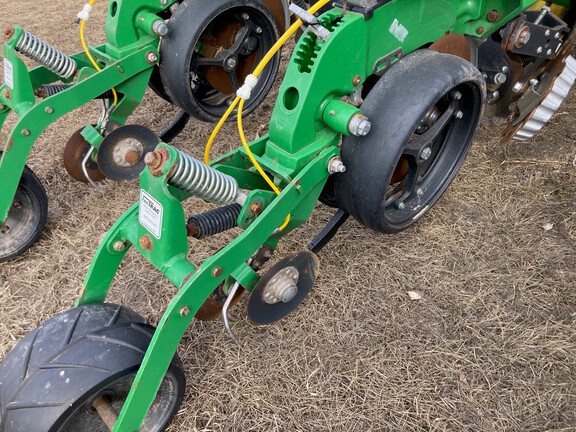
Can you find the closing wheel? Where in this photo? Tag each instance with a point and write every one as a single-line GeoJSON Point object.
{"type": "Point", "coordinates": [26, 218]}
{"type": "Point", "coordinates": [74, 372]}
{"type": "Point", "coordinates": [424, 113]}
{"type": "Point", "coordinates": [209, 50]}
{"type": "Point", "coordinates": [282, 288]}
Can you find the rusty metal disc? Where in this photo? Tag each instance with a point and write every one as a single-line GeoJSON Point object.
{"type": "Point", "coordinates": [260, 308]}
{"type": "Point", "coordinates": [455, 44]}
{"type": "Point", "coordinates": [121, 153]}
{"type": "Point", "coordinates": [212, 307]}
{"type": "Point", "coordinates": [74, 153]}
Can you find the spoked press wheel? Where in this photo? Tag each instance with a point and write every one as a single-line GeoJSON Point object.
{"type": "Point", "coordinates": [424, 113]}
{"type": "Point", "coordinates": [26, 218]}
{"type": "Point", "coordinates": [55, 378]}
{"type": "Point", "coordinates": [209, 50]}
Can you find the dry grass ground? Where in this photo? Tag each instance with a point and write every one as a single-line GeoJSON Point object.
{"type": "Point", "coordinates": [491, 346]}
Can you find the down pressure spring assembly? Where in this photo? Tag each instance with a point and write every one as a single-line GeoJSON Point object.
{"type": "Point", "coordinates": [203, 181]}
{"type": "Point", "coordinates": [45, 54]}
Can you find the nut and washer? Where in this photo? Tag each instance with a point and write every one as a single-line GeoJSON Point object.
{"type": "Point", "coordinates": [151, 57]}
{"type": "Point", "coordinates": [118, 246]}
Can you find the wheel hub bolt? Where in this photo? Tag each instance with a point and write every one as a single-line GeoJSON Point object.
{"type": "Point", "coordinates": [400, 205]}
{"type": "Point", "coordinates": [160, 28]}
{"type": "Point", "coordinates": [426, 153]}
{"type": "Point", "coordinates": [359, 125]}
{"type": "Point", "coordinates": [231, 62]}
{"type": "Point", "coordinates": [258, 30]}
{"type": "Point", "coordinates": [460, 114]}
{"type": "Point", "coordinates": [245, 16]}
{"type": "Point", "coordinates": [419, 192]}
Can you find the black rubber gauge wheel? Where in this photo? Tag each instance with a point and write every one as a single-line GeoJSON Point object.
{"type": "Point", "coordinates": [424, 113]}
{"type": "Point", "coordinates": [52, 377]}
{"type": "Point", "coordinates": [209, 50]}
{"type": "Point", "coordinates": [26, 218]}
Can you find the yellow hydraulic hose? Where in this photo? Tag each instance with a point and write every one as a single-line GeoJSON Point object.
{"type": "Point", "coordinates": [259, 68]}
{"type": "Point", "coordinates": [87, 51]}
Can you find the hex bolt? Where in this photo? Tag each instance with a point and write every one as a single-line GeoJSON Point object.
{"type": "Point", "coordinates": [231, 63]}
{"type": "Point", "coordinates": [458, 115]}
{"type": "Point", "coordinates": [493, 16]}
{"type": "Point", "coordinates": [25, 132]}
{"type": "Point", "coordinates": [557, 35]}
{"type": "Point", "coordinates": [356, 80]}
{"type": "Point", "coordinates": [217, 271]}
{"type": "Point", "coordinates": [359, 125]}
{"type": "Point", "coordinates": [118, 246]}
{"type": "Point", "coordinates": [2, 107]}
{"type": "Point", "coordinates": [151, 57]}
{"type": "Point", "coordinates": [49, 110]}
{"type": "Point", "coordinates": [259, 30]}
{"type": "Point", "coordinates": [163, 2]}
{"type": "Point", "coordinates": [457, 95]}
{"type": "Point", "coordinates": [184, 311]}
{"type": "Point", "coordinates": [245, 16]}
{"type": "Point", "coordinates": [517, 87]}
{"type": "Point", "coordinates": [539, 50]}
{"type": "Point", "coordinates": [534, 82]}
{"type": "Point", "coordinates": [505, 69]}
{"type": "Point", "coordinates": [160, 28]}
{"type": "Point", "coordinates": [480, 30]}
{"type": "Point", "coordinates": [495, 95]}
{"type": "Point", "coordinates": [500, 78]}
{"type": "Point", "coordinates": [400, 205]}
{"type": "Point", "coordinates": [549, 52]}
{"type": "Point", "coordinates": [419, 192]}
{"type": "Point", "coordinates": [523, 37]}
{"type": "Point", "coordinates": [547, 33]}
{"type": "Point", "coordinates": [426, 153]}
{"type": "Point", "coordinates": [335, 165]}
{"type": "Point", "coordinates": [17, 204]}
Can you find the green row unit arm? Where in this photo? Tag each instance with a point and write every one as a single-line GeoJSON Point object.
{"type": "Point", "coordinates": [126, 61]}
{"type": "Point", "coordinates": [307, 123]}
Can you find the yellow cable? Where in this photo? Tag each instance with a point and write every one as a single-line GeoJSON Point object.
{"type": "Point", "coordinates": [87, 51]}
{"type": "Point", "coordinates": [259, 68]}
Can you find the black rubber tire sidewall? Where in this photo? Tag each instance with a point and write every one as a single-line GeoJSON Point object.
{"type": "Point", "coordinates": [395, 105]}
{"type": "Point", "coordinates": [37, 367]}
{"type": "Point", "coordinates": [33, 186]}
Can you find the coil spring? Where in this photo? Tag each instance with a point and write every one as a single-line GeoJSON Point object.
{"type": "Point", "coordinates": [48, 90]}
{"type": "Point", "coordinates": [213, 221]}
{"type": "Point", "coordinates": [203, 181]}
{"type": "Point", "coordinates": [45, 54]}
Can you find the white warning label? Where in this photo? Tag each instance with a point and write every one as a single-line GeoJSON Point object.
{"type": "Point", "coordinates": [150, 214]}
{"type": "Point", "coordinates": [8, 73]}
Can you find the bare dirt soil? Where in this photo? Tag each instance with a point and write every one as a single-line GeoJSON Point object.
{"type": "Point", "coordinates": [491, 346]}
